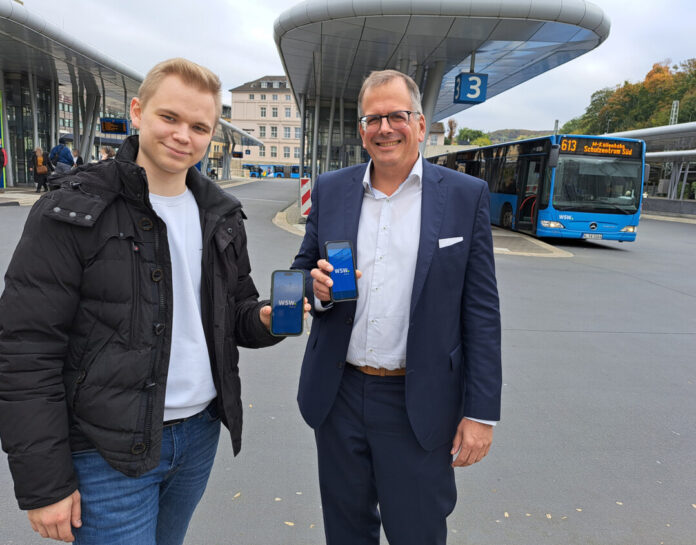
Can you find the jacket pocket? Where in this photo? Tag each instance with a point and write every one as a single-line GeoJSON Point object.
{"type": "Point", "coordinates": [86, 366]}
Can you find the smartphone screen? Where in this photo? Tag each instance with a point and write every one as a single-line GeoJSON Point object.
{"type": "Point", "coordinates": [287, 303]}
{"type": "Point", "coordinates": [340, 255]}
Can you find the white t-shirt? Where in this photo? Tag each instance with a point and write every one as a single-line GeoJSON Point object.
{"type": "Point", "coordinates": [190, 386]}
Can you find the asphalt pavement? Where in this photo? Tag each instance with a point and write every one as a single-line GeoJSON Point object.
{"type": "Point", "coordinates": [597, 438]}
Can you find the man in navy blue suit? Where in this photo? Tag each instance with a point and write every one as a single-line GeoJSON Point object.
{"type": "Point", "coordinates": [403, 384]}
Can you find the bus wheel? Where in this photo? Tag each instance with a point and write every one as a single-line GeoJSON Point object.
{"type": "Point", "coordinates": [506, 216]}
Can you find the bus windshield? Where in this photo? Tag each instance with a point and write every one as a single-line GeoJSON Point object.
{"type": "Point", "coordinates": [597, 184]}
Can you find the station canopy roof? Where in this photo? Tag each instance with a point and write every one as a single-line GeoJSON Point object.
{"type": "Point", "coordinates": [329, 46]}
{"type": "Point", "coordinates": [30, 43]}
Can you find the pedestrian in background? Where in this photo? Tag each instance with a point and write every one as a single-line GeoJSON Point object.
{"type": "Point", "coordinates": [77, 158]}
{"type": "Point", "coordinates": [61, 158]}
{"type": "Point", "coordinates": [106, 152]}
{"type": "Point", "coordinates": [40, 165]}
{"type": "Point", "coordinates": [403, 384]}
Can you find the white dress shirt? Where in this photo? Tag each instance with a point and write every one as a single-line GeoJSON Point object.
{"type": "Point", "coordinates": [388, 235]}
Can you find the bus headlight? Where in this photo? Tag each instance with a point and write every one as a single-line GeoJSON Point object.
{"type": "Point", "coordinates": [629, 229]}
{"type": "Point", "coordinates": [552, 224]}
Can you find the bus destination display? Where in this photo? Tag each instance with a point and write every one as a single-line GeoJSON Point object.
{"type": "Point", "coordinates": [605, 148]}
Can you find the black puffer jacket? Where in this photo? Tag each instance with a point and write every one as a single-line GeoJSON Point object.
{"type": "Point", "coordinates": [85, 324]}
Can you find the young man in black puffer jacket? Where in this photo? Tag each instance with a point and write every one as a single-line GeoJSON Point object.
{"type": "Point", "coordinates": [124, 304]}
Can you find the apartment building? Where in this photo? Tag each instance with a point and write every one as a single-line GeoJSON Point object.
{"type": "Point", "coordinates": [266, 109]}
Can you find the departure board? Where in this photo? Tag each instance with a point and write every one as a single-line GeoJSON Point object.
{"type": "Point", "coordinates": [112, 125]}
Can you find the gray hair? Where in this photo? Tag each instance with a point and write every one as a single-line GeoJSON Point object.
{"type": "Point", "coordinates": [382, 77]}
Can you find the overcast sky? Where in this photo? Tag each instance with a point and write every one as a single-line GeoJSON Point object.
{"type": "Point", "coordinates": [235, 39]}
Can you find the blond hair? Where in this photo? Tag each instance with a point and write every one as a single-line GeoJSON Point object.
{"type": "Point", "coordinates": [378, 78]}
{"type": "Point", "coordinates": [190, 73]}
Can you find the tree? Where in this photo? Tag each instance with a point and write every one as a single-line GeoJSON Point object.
{"type": "Point", "coordinates": [466, 135]}
{"type": "Point", "coordinates": [451, 127]}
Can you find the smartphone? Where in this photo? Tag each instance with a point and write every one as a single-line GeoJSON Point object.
{"type": "Point", "coordinates": [340, 254]}
{"type": "Point", "coordinates": [287, 303]}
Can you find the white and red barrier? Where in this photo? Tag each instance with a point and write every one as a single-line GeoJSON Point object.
{"type": "Point", "coordinates": [305, 196]}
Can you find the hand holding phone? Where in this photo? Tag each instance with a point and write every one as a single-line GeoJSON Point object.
{"type": "Point", "coordinates": [287, 303]}
{"type": "Point", "coordinates": [339, 254]}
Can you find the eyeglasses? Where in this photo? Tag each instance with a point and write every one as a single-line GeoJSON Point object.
{"type": "Point", "coordinates": [396, 120]}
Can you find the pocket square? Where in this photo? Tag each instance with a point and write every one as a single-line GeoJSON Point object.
{"type": "Point", "coordinates": [444, 242]}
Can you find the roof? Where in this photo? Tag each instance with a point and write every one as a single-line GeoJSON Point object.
{"type": "Point", "coordinates": [256, 84]}
{"type": "Point", "coordinates": [437, 128]}
{"type": "Point", "coordinates": [681, 136]}
{"type": "Point", "coordinates": [30, 42]}
{"type": "Point", "coordinates": [327, 47]}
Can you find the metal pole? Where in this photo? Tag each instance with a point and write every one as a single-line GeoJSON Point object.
{"type": "Point", "coordinates": [330, 136]}
{"type": "Point", "coordinates": [342, 138]}
{"type": "Point", "coordinates": [686, 177]}
{"type": "Point", "coordinates": [5, 136]}
{"type": "Point", "coordinates": [53, 115]}
{"type": "Point", "coordinates": [303, 127]}
{"type": "Point", "coordinates": [34, 113]}
{"type": "Point", "coordinates": [430, 94]}
{"type": "Point", "coordinates": [315, 137]}
{"type": "Point", "coordinates": [92, 131]}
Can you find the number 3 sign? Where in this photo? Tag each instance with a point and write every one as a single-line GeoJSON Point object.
{"type": "Point", "coordinates": [470, 88]}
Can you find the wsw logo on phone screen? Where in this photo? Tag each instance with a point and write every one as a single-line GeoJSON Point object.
{"type": "Point", "coordinates": [287, 305]}
{"type": "Point", "coordinates": [343, 275]}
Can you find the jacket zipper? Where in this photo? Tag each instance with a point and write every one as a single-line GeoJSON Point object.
{"type": "Point", "coordinates": [150, 386]}
{"type": "Point", "coordinates": [135, 261]}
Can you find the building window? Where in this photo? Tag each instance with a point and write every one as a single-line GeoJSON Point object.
{"type": "Point", "coordinates": [275, 97]}
{"type": "Point", "coordinates": [286, 132]}
{"type": "Point", "coordinates": [287, 97]}
{"type": "Point", "coordinates": [262, 131]}
{"type": "Point", "coordinates": [433, 139]}
{"type": "Point", "coordinates": [263, 111]}
{"type": "Point", "coordinates": [288, 112]}
{"type": "Point", "coordinates": [263, 97]}
{"type": "Point", "coordinates": [297, 132]}
{"type": "Point", "coordinates": [251, 96]}
{"type": "Point", "coordinates": [286, 152]}
{"type": "Point", "coordinates": [262, 151]}
{"type": "Point", "coordinates": [274, 131]}
{"type": "Point", "coordinates": [297, 152]}
{"type": "Point", "coordinates": [274, 151]}
{"type": "Point", "coordinates": [297, 113]}
{"type": "Point", "coordinates": [264, 84]}
{"type": "Point", "coordinates": [274, 111]}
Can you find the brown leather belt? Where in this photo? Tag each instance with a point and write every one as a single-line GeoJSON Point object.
{"type": "Point", "coordinates": [378, 371]}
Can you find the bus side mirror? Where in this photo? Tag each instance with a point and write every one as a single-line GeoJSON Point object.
{"type": "Point", "coordinates": [553, 155]}
{"type": "Point", "coordinates": [646, 173]}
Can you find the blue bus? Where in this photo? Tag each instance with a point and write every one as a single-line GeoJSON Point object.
{"type": "Point", "coordinates": [568, 186]}
{"type": "Point", "coordinates": [273, 171]}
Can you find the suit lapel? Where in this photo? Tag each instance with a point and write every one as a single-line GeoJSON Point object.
{"type": "Point", "coordinates": [352, 198]}
{"type": "Point", "coordinates": [433, 198]}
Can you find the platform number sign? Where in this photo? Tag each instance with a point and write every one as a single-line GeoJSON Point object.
{"type": "Point", "coordinates": [470, 88]}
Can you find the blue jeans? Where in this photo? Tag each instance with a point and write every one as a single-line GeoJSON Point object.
{"type": "Point", "coordinates": [156, 508]}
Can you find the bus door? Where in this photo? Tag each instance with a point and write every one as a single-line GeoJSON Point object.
{"type": "Point", "coordinates": [531, 169]}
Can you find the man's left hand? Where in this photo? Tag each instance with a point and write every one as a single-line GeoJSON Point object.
{"type": "Point", "coordinates": [265, 313]}
{"type": "Point", "coordinates": [472, 440]}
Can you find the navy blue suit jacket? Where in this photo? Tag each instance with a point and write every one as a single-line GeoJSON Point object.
{"type": "Point", "coordinates": [453, 364]}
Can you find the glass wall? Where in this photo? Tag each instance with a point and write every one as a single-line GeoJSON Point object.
{"type": "Point", "coordinates": [19, 124]}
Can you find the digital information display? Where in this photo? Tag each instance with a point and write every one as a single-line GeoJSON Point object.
{"type": "Point", "coordinates": [112, 125]}
{"type": "Point", "coordinates": [343, 274]}
{"type": "Point", "coordinates": [604, 148]}
{"type": "Point", "coordinates": [286, 302]}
